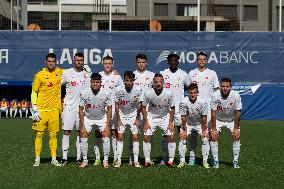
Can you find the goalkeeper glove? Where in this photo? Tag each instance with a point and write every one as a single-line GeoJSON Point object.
{"type": "Point", "coordinates": [35, 114]}
{"type": "Point", "coordinates": [87, 69]}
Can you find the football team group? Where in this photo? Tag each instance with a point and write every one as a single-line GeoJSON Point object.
{"type": "Point", "coordinates": [183, 105]}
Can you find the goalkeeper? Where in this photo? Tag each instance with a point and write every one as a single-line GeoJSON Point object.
{"type": "Point", "coordinates": [46, 104]}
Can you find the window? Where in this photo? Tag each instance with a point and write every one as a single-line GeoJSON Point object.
{"type": "Point", "coordinates": [48, 2]}
{"type": "Point", "coordinates": [186, 10]}
{"type": "Point", "coordinates": [160, 9]}
{"type": "Point", "coordinates": [227, 11]}
{"type": "Point", "coordinates": [250, 12]}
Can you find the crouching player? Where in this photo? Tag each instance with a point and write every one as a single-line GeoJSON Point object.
{"type": "Point", "coordinates": [194, 118]}
{"type": "Point", "coordinates": [127, 109]}
{"type": "Point", "coordinates": [226, 108]}
{"type": "Point", "coordinates": [95, 111]}
{"type": "Point", "coordinates": [160, 113]}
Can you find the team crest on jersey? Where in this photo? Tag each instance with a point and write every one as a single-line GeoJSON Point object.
{"type": "Point", "coordinates": [50, 84]}
{"type": "Point", "coordinates": [73, 83]}
{"type": "Point", "coordinates": [168, 85]}
{"type": "Point", "coordinates": [219, 108]}
{"type": "Point", "coordinates": [123, 102]}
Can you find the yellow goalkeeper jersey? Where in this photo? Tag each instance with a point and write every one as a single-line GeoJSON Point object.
{"type": "Point", "coordinates": [48, 86]}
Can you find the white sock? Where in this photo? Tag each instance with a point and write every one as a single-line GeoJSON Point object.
{"type": "Point", "coordinates": [84, 149]}
{"type": "Point", "coordinates": [214, 150]}
{"type": "Point", "coordinates": [106, 148]}
{"type": "Point", "coordinates": [165, 150]}
{"type": "Point", "coordinates": [191, 155]}
{"type": "Point", "coordinates": [147, 150]}
{"type": "Point", "coordinates": [26, 113]}
{"type": "Point", "coordinates": [192, 145]}
{"type": "Point", "coordinates": [119, 149]}
{"type": "Point", "coordinates": [182, 150]}
{"type": "Point", "coordinates": [114, 147]}
{"type": "Point", "coordinates": [136, 151]}
{"type": "Point", "coordinates": [205, 149]}
{"type": "Point", "coordinates": [6, 113]}
{"type": "Point", "coordinates": [236, 149]}
{"type": "Point", "coordinates": [65, 146]}
{"type": "Point", "coordinates": [20, 111]}
{"type": "Point", "coordinates": [78, 147]}
{"type": "Point", "coordinates": [37, 158]}
{"type": "Point", "coordinates": [53, 158]}
{"type": "Point", "coordinates": [131, 149]}
{"type": "Point", "coordinates": [172, 151]}
{"type": "Point", "coordinates": [97, 145]}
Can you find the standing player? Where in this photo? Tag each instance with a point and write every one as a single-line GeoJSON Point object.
{"type": "Point", "coordinates": [24, 107]}
{"type": "Point", "coordinates": [194, 111]}
{"type": "Point", "coordinates": [226, 106]}
{"type": "Point", "coordinates": [175, 81]}
{"type": "Point", "coordinates": [76, 80]}
{"type": "Point", "coordinates": [4, 106]}
{"type": "Point", "coordinates": [110, 80]}
{"type": "Point", "coordinates": [207, 82]}
{"type": "Point", "coordinates": [143, 77]}
{"type": "Point", "coordinates": [95, 111]}
{"type": "Point", "coordinates": [46, 104]}
{"type": "Point", "coordinates": [127, 109]}
{"type": "Point", "coordinates": [160, 114]}
{"type": "Point", "coordinates": [143, 80]}
{"type": "Point", "coordinates": [14, 106]}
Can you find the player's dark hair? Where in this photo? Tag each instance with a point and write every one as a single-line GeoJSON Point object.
{"type": "Point", "coordinates": [96, 76]}
{"type": "Point", "coordinates": [201, 54]}
{"type": "Point", "coordinates": [79, 54]}
{"type": "Point", "coordinates": [158, 75]}
{"type": "Point", "coordinates": [141, 56]}
{"type": "Point", "coordinates": [50, 55]}
{"type": "Point", "coordinates": [129, 74]}
{"type": "Point", "coordinates": [170, 56]}
{"type": "Point", "coordinates": [226, 79]}
{"type": "Point", "coordinates": [192, 86]}
{"type": "Point", "coordinates": [108, 58]}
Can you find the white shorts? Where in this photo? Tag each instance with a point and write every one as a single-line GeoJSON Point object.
{"type": "Point", "coordinates": [191, 128]}
{"type": "Point", "coordinates": [163, 123]}
{"type": "Point", "coordinates": [24, 109]}
{"type": "Point", "coordinates": [128, 121]}
{"type": "Point", "coordinates": [70, 119]}
{"type": "Point", "coordinates": [228, 125]}
{"type": "Point", "coordinates": [91, 124]}
{"type": "Point", "coordinates": [4, 108]}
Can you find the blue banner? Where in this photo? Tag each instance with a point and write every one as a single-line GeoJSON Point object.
{"type": "Point", "coordinates": [249, 59]}
{"type": "Point", "coordinates": [243, 56]}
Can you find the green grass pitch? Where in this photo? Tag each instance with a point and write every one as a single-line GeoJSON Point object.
{"type": "Point", "coordinates": [261, 161]}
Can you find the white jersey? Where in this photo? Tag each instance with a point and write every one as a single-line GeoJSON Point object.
{"type": "Point", "coordinates": [159, 106]}
{"type": "Point", "coordinates": [96, 105]}
{"type": "Point", "coordinates": [111, 81]}
{"type": "Point", "coordinates": [144, 80]}
{"type": "Point", "coordinates": [175, 82]}
{"type": "Point", "coordinates": [193, 111]}
{"type": "Point", "coordinates": [226, 107]}
{"type": "Point", "coordinates": [207, 81]}
{"type": "Point", "coordinates": [75, 82]}
{"type": "Point", "coordinates": [128, 102]}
